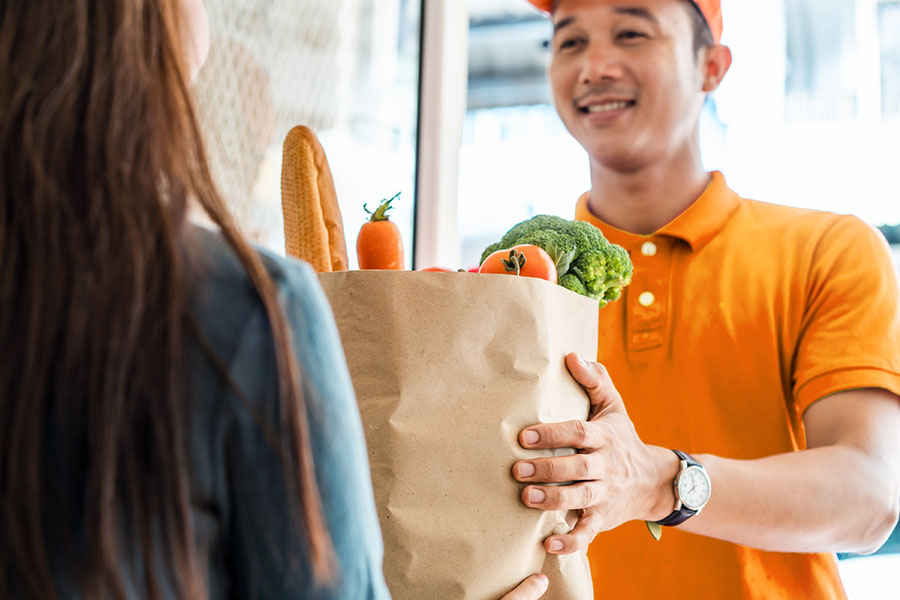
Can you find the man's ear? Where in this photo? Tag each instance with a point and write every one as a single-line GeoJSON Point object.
{"type": "Point", "coordinates": [716, 62]}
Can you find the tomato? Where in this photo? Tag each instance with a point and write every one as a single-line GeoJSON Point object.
{"type": "Point", "coordinates": [537, 263]}
{"type": "Point", "coordinates": [437, 269]}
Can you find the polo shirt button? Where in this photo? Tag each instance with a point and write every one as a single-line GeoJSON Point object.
{"type": "Point", "coordinates": [648, 249]}
{"type": "Point", "coordinates": [646, 299]}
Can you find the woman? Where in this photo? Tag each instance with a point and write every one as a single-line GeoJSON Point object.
{"type": "Point", "coordinates": [176, 417]}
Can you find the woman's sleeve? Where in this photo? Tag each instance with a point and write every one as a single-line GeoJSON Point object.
{"type": "Point", "coordinates": [268, 558]}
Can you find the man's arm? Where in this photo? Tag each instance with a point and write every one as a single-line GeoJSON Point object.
{"type": "Point", "coordinates": [840, 495]}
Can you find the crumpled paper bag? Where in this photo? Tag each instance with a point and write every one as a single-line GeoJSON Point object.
{"type": "Point", "coordinates": [448, 368]}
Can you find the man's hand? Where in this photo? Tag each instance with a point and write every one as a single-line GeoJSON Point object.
{"type": "Point", "coordinates": [852, 460]}
{"type": "Point", "coordinates": [530, 589]}
{"type": "Point", "coordinates": [617, 477]}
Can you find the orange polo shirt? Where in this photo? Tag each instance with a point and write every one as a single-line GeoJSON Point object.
{"type": "Point", "coordinates": [739, 316]}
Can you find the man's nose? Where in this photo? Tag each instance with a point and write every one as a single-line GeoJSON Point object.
{"type": "Point", "coordinates": [600, 64]}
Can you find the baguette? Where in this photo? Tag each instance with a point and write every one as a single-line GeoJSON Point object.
{"type": "Point", "coordinates": [313, 228]}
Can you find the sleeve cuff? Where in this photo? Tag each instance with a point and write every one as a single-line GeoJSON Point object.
{"type": "Point", "coordinates": [844, 380]}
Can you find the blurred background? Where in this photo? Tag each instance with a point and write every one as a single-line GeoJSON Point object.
{"type": "Point", "coordinates": [348, 69]}
{"type": "Point", "coordinates": [809, 114]}
{"type": "Point", "coordinates": [446, 102]}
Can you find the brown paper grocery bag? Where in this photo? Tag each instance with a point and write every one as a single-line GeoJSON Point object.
{"type": "Point", "coordinates": [448, 368]}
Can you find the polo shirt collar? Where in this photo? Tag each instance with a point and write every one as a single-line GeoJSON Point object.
{"type": "Point", "coordinates": [697, 225]}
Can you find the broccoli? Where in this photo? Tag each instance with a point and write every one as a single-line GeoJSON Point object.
{"type": "Point", "coordinates": [546, 231]}
{"type": "Point", "coordinates": [586, 262]}
{"type": "Point", "coordinates": [571, 282]}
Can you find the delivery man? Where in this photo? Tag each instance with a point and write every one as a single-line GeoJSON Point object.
{"type": "Point", "coordinates": [757, 350]}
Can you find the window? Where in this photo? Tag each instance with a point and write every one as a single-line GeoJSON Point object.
{"type": "Point", "coordinates": [888, 26]}
{"type": "Point", "coordinates": [346, 68]}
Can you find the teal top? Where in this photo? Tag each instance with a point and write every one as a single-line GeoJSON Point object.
{"type": "Point", "coordinates": [239, 497]}
{"type": "Point", "coordinates": [247, 544]}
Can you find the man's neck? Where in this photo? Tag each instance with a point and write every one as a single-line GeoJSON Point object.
{"type": "Point", "coordinates": [645, 200]}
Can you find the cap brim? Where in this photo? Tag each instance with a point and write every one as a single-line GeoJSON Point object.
{"type": "Point", "coordinates": [544, 5]}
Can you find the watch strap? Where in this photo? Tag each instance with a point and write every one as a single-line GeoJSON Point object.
{"type": "Point", "coordinates": [686, 458]}
{"type": "Point", "coordinates": [677, 517]}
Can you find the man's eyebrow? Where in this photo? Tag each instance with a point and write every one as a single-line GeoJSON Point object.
{"type": "Point", "coordinates": [562, 23]}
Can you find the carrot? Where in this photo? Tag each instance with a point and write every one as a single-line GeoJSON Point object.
{"type": "Point", "coordinates": [379, 245]}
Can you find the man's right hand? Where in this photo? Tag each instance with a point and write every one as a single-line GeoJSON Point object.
{"type": "Point", "coordinates": [530, 589]}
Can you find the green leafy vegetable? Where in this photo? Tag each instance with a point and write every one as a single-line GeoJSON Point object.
{"type": "Point", "coordinates": [586, 262]}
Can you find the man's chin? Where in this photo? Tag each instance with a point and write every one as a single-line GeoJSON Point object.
{"type": "Point", "coordinates": [614, 158]}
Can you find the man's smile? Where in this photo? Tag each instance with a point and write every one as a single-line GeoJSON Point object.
{"type": "Point", "coordinates": [594, 103]}
{"type": "Point", "coordinates": [606, 107]}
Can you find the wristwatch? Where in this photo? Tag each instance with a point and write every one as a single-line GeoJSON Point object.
{"type": "Point", "coordinates": [692, 490]}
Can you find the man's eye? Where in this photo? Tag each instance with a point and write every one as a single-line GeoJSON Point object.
{"type": "Point", "coordinates": [630, 35]}
{"type": "Point", "coordinates": [570, 43]}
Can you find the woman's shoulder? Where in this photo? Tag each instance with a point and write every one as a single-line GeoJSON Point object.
{"type": "Point", "coordinates": [230, 346]}
{"type": "Point", "coordinates": [225, 305]}
{"type": "Point", "coordinates": [215, 272]}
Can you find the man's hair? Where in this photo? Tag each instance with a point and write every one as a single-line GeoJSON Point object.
{"type": "Point", "coordinates": [703, 37]}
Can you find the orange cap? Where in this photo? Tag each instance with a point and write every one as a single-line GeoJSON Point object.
{"type": "Point", "coordinates": [711, 9]}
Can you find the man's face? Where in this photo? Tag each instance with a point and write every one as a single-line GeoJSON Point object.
{"type": "Point", "coordinates": [625, 78]}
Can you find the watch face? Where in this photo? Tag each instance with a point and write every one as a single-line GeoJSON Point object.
{"type": "Point", "coordinates": [694, 488]}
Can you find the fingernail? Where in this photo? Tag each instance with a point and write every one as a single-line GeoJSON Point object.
{"type": "Point", "coordinates": [536, 495]}
{"type": "Point", "coordinates": [543, 581]}
{"type": "Point", "coordinates": [525, 469]}
{"type": "Point", "coordinates": [555, 545]}
{"type": "Point", "coordinates": [582, 362]}
{"type": "Point", "coordinates": [530, 436]}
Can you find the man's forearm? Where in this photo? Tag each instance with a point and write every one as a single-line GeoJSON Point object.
{"type": "Point", "coordinates": [827, 499]}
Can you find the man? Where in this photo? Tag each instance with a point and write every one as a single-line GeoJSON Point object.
{"type": "Point", "coordinates": [762, 342]}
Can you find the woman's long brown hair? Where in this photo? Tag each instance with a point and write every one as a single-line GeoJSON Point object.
{"type": "Point", "coordinates": [101, 153]}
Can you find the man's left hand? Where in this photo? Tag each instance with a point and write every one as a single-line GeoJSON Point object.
{"type": "Point", "coordinates": [617, 478]}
